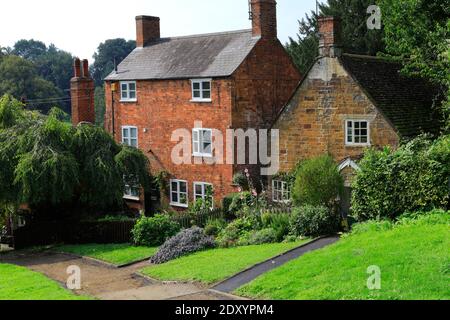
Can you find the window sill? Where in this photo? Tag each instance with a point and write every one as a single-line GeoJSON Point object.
{"type": "Point", "coordinates": [179, 205]}
{"type": "Point", "coordinates": [131, 198]}
{"type": "Point", "coordinates": [199, 155]}
{"type": "Point", "coordinates": [128, 101]}
{"type": "Point", "coordinates": [358, 145]}
{"type": "Point", "coordinates": [201, 100]}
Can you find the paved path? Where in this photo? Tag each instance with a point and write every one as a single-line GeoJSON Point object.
{"type": "Point", "coordinates": [247, 276]}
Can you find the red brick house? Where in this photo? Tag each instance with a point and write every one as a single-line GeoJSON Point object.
{"type": "Point", "coordinates": [347, 103]}
{"type": "Point", "coordinates": [237, 79]}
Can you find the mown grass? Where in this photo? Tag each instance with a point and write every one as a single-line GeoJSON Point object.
{"type": "Point", "coordinates": [19, 283]}
{"type": "Point", "coordinates": [117, 254]}
{"type": "Point", "coordinates": [414, 259]}
{"type": "Point", "coordinates": [217, 264]}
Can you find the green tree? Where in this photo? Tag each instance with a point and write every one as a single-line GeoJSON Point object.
{"type": "Point", "coordinates": [19, 78]}
{"type": "Point", "coordinates": [47, 163]}
{"type": "Point", "coordinates": [100, 107]}
{"type": "Point", "coordinates": [356, 37]}
{"type": "Point", "coordinates": [417, 32]}
{"type": "Point", "coordinates": [107, 52]}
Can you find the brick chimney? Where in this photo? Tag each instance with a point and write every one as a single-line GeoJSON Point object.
{"type": "Point", "coordinates": [330, 44]}
{"type": "Point", "coordinates": [147, 30]}
{"type": "Point", "coordinates": [264, 18]}
{"type": "Point", "coordinates": [82, 93]}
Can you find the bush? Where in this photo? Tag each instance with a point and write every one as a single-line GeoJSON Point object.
{"type": "Point", "coordinates": [214, 226]}
{"type": "Point", "coordinates": [318, 182]}
{"type": "Point", "coordinates": [414, 178]}
{"type": "Point", "coordinates": [239, 228]}
{"type": "Point", "coordinates": [187, 241]}
{"type": "Point", "coordinates": [278, 222]}
{"type": "Point", "coordinates": [154, 231]}
{"type": "Point", "coordinates": [263, 236]}
{"type": "Point", "coordinates": [313, 221]}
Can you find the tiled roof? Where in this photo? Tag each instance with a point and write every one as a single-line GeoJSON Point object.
{"type": "Point", "coordinates": [207, 55]}
{"type": "Point", "coordinates": [406, 102]}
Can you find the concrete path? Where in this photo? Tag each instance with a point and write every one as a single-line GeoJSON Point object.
{"type": "Point", "coordinates": [247, 276]}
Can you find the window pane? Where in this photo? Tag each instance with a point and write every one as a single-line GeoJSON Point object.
{"type": "Point", "coordinates": [174, 197]}
{"type": "Point", "coordinates": [183, 199]}
{"type": "Point", "coordinates": [124, 87]}
{"type": "Point", "coordinates": [357, 125]}
{"type": "Point", "coordinates": [133, 143]}
{"type": "Point", "coordinates": [132, 95]}
{"type": "Point", "coordinates": [133, 132]}
{"type": "Point", "coordinates": [350, 124]}
{"type": "Point", "coordinates": [132, 86]}
{"type": "Point", "coordinates": [183, 187]}
{"type": "Point", "coordinates": [364, 125]}
{"type": "Point", "coordinates": [196, 85]}
{"type": "Point", "coordinates": [206, 94]}
{"type": "Point", "coordinates": [207, 136]}
{"type": "Point", "coordinates": [174, 186]}
{"type": "Point", "coordinates": [206, 85]}
{"type": "Point", "coordinates": [357, 140]}
{"type": "Point", "coordinates": [207, 148]}
{"type": "Point", "coordinates": [125, 133]}
{"type": "Point", "coordinates": [364, 140]}
{"type": "Point", "coordinates": [196, 94]}
{"type": "Point", "coordinates": [198, 189]}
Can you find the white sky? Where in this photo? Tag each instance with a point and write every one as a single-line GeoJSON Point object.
{"type": "Point", "coordinates": [79, 26]}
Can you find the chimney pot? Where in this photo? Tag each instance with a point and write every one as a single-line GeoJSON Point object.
{"type": "Point", "coordinates": [147, 30]}
{"type": "Point", "coordinates": [86, 68]}
{"type": "Point", "coordinates": [330, 44]}
{"type": "Point", "coordinates": [264, 18]}
{"type": "Point", "coordinates": [82, 93]}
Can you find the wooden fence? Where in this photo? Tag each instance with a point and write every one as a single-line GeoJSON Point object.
{"type": "Point", "coordinates": [200, 219]}
{"type": "Point", "coordinates": [52, 232]}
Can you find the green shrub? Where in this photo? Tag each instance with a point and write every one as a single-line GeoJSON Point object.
{"type": "Point", "coordinates": [263, 236]}
{"type": "Point", "coordinates": [214, 226]}
{"type": "Point", "coordinates": [230, 236]}
{"type": "Point", "coordinates": [318, 182]}
{"type": "Point", "coordinates": [154, 231]}
{"type": "Point", "coordinates": [313, 221]}
{"type": "Point", "coordinates": [278, 222]}
{"type": "Point", "coordinates": [413, 178]}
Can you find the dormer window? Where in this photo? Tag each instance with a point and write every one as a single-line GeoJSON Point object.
{"type": "Point", "coordinates": [128, 91]}
{"type": "Point", "coordinates": [201, 90]}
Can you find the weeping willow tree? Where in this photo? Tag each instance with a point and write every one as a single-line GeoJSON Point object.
{"type": "Point", "coordinates": [46, 162]}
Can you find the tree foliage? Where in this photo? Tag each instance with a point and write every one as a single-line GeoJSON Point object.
{"type": "Point", "coordinates": [107, 52]}
{"type": "Point", "coordinates": [356, 37]}
{"type": "Point", "coordinates": [20, 78]}
{"type": "Point", "coordinates": [47, 162]}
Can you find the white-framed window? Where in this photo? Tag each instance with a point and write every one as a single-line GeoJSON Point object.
{"type": "Point", "coordinates": [357, 132]}
{"type": "Point", "coordinates": [179, 193]}
{"type": "Point", "coordinates": [128, 91]}
{"type": "Point", "coordinates": [132, 189]}
{"type": "Point", "coordinates": [201, 90]}
{"type": "Point", "coordinates": [280, 191]}
{"type": "Point", "coordinates": [130, 136]}
{"type": "Point", "coordinates": [204, 191]}
{"type": "Point", "coordinates": [202, 142]}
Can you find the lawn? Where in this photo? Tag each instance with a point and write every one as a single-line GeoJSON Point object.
{"type": "Point", "coordinates": [216, 264]}
{"type": "Point", "coordinates": [19, 283]}
{"type": "Point", "coordinates": [117, 254]}
{"type": "Point", "coordinates": [414, 260]}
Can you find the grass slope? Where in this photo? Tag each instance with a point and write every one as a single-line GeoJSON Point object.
{"type": "Point", "coordinates": [217, 264]}
{"type": "Point", "coordinates": [414, 259]}
{"type": "Point", "coordinates": [117, 254]}
{"type": "Point", "coordinates": [19, 283]}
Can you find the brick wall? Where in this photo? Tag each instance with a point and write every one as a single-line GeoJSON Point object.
{"type": "Point", "coordinates": [164, 106]}
{"type": "Point", "coordinates": [263, 84]}
{"type": "Point", "coordinates": [314, 121]}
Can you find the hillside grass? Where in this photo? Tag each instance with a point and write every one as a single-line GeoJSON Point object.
{"type": "Point", "coordinates": [413, 256]}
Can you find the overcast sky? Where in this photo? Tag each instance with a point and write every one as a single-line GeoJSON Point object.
{"type": "Point", "coordinates": [79, 26]}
